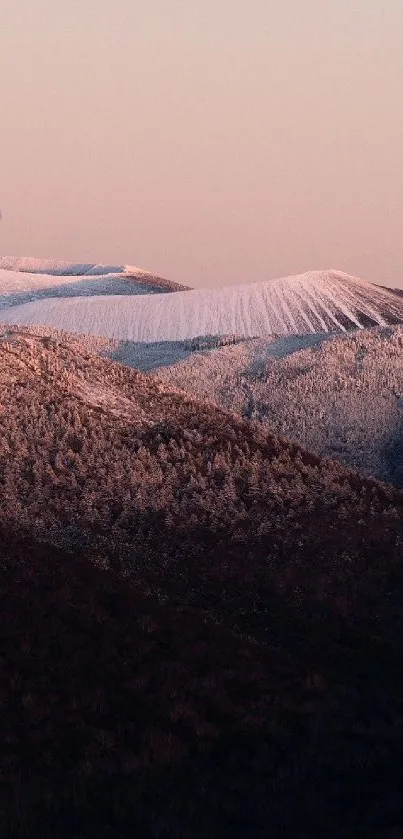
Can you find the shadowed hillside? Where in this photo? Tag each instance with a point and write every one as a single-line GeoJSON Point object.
{"type": "Point", "coordinates": [123, 718]}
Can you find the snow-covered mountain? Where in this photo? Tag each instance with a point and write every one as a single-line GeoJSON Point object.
{"type": "Point", "coordinates": [319, 301]}
{"type": "Point", "coordinates": [25, 279]}
{"type": "Point", "coordinates": [57, 267]}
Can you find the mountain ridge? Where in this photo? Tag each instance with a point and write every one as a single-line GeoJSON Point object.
{"type": "Point", "coordinates": [306, 303]}
{"type": "Point", "coordinates": [61, 268]}
{"type": "Point", "coordinates": [25, 279]}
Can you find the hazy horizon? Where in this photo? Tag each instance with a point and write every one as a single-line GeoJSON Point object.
{"type": "Point", "coordinates": [213, 145]}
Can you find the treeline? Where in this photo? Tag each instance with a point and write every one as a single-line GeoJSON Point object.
{"type": "Point", "coordinates": [209, 342]}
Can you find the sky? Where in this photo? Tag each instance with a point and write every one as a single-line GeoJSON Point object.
{"type": "Point", "coordinates": [213, 142]}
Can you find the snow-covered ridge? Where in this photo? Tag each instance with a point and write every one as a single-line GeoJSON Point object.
{"type": "Point", "coordinates": [318, 301]}
{"type": "Point", "coordinates": [56, 267]}
{"type": "Point", "coordinates": [25, 279]}
{"type": "Point", "coordinates": [60, 268]}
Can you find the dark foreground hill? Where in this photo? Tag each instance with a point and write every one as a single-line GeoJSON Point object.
{"type": "Point", "coordinates": [235, 668]}
{"type": "Point", "coordinates": [122, 718]}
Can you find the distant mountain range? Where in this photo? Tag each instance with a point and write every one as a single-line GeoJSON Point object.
{"type": "Point", "coordinates": [320, 301]}
{"type": "Point", "coordinates": [25, 279]}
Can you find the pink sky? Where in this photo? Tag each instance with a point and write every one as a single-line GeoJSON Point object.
{"type": "Point", "coordinates": [215, 142]}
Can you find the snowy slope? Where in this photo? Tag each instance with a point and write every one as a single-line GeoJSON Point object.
{"type": "Point", "coordinates": [320, 301]}
{"type": "Point", "coordinates": [340, 397]}
{"type": "Point", "coordinates": [57, 267]}
{"type": "Point", "coordinates": [24, 279]}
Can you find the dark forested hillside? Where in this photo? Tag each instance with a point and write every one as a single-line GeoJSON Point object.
{"type": "Point", "coordinates": [201, 623]}
{"type": "Point", "coordinates": [121, 717]}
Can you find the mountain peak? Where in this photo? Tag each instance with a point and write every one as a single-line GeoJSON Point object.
{"type": "Point", "coordinates": [316, 301]}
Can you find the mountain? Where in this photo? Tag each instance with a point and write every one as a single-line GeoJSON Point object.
{"type": "Point", "coordinates": [188, 497]}
{"type": "Point", "coordinates": [201, 623]}
{"type": "Point", "coordinates": [308, 303]}
{"type": "Point", "coordinates": [122, 716]}
{"type": "Point", "coordinates": [58, 267]}
{"type": "Point", "coordinates": [24, 279]}
{"type": "Point", "coordinates": [339, 396]}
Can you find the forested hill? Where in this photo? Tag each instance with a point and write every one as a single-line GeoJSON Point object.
{"type": "Point", "coordinates": [339, 396]}
{"type": "Point", "coordinates": [233, 668]}
{"type": "Point", "coordinates": [121, 717]}
{"type": "Point", "coordinates": [190, 500]}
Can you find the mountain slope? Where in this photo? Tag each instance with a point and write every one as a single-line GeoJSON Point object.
{"type": "Point", "coordinates": [308, 303]}
{"type": "Point", "coordinates": [24, 279]}
{"type": "Point", "coordinates": [121, 717]}
{"type": "Point", "coordinates": [342, 397]}
{"type": "Point", "coordinates": [192, 500]}
{"type": "Point", "coordinates": [127, 714]}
